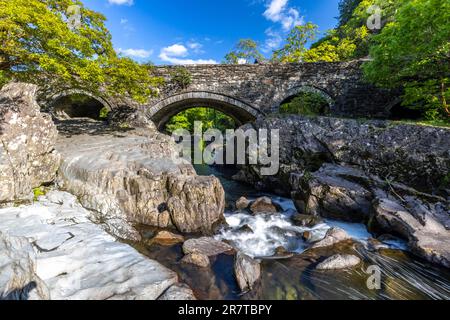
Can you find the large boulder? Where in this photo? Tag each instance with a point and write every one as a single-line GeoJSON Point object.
{"type": "Point", "coordinates": [426, 226]}
{"type": "Point", "coordinates": [137, 177]}
{"type": "Point", "coordinates": [333, 191]}
{"type": "Point", "coordinates": [18, 278]}
{"type": "Point", "coordinates": [27, 150]}
{"type": "Point", "coordinates": [415, 155]}
{"type": "Point", "coordinates": [385, 206]}
{"type": "Point", "coordinates": [332, 237]}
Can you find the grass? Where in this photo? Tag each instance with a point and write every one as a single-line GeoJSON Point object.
{"type": "Point", "coordinates": [428, 123]}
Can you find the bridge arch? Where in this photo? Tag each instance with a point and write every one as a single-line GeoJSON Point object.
{"type": "Point", "coordinates": [60, 106]}
{"type": "Point", "coordinates": [240, 111]}
{"type": "Point", "coordinates": [294, 91]}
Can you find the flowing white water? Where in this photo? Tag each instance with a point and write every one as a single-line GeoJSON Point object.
{"type": "Point", "coordinates": [260, 235]}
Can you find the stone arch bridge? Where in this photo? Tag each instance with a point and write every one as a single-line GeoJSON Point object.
{"type": "Point", "coordinates": [246, 92]}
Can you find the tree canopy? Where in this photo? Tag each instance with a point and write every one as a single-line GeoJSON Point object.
{"type": "Point", "coordinates": [246, 51]}
{"type": "Point", "coordinates": [40, 42]}
{"type": "Point", "coordinates": [413, 52]}
{"type": "Point", "coordinates": [409, 51]}
{"type": "Point", "coordinates": [295, 47]}
{"type": "Point", "coordinates": [209, 117]}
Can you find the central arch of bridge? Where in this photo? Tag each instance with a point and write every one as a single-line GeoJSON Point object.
{"type": "Point", "coordinates": [240, 111]}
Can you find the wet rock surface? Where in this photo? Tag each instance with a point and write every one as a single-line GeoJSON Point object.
{"type": "Point", "coordinates": [196, 258]}
{"type": "Point", "coordinates": [349, 194]}
{"type": "Point", "coordinates": [339, 261]}
{"type": "Point", "coordinates": [247, 271]}
{"type": "Point", "coordinates": [206, 246]}
{"type": "Point", "coordinates": [167, 238]}
{"type": "Point", "coordinates": [334, 192]}
{"type": "Point", "coordinates": [27, 144]}
{"type": "Point", "coordinates": [428, 236]}
{"type": "Point", "coordinates": [263, 205]}
{"type": "Point", "coordinates": [332, 237]}
{"type": "Point", "coordinates": [242, 203]}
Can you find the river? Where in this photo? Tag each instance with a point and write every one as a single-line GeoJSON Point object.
{"type": "Point", "coordinates": [402, 275]}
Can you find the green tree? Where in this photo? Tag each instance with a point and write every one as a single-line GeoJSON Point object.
{"type": "Point", "coordinates": [413, 52]}
{"type": "Point", "coordinates": [295, 47]}
{"type": "Point", "coordinates": [209, 117]}
{"type": "Point", "coordinates": [246, 50]}
{"type": "Point", "coordinates": [352, 38]}
{"type": "Point", "coordinates": [38, 44]}
{"type": "Point", "coordinates": [346, 9]}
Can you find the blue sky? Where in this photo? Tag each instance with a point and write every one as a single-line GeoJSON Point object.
{"type": "Point", "coordinates": [203, 31]}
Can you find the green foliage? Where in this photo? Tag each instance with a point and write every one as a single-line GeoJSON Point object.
{"type": "Point", "coordinates": [38, 45]}
{"type": "Point", "coordinates": [104, 113]}
{"type": "Point", "coordinates": [210, 118]}
{"type": "Point", "coordinates": [413, 52]}
{"type": "Point", "coordinates": [4, 79]}
{"type": "Point", "coordinates": [181, 77]}
{"type": "Point", "coordinates": [351, 39]}
{"type": "Point", "coordinates": [295, 46]}
{"type": "Point", "coordinates": [445, 182]}
{"type": "Point", "coordinates": [346, 8]}
{"type": "Point", "coordinates": [306, 103]}
{"type": "Point", "coordinates": [37, 192]}
{"type": "Point", "coordinates": [246, 50]}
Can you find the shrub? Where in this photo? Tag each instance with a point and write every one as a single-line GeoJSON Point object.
{"type": "Point", "coordinates": [306, 103]}
{"type": "Point", "coordinates": [104, 113]}
{"type": "Point", "coordinates": [181, 77]}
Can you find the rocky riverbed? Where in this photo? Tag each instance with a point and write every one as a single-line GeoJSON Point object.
{"type": "Point", "coordinates": [122, 217]}
{"type": "Point", "coordinates": [392, 177]}
{"type": "Point", "coordinates": [287, 255]}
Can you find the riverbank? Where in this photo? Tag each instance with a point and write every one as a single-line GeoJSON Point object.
{"type": "Point", "coordinates": [70, 257]}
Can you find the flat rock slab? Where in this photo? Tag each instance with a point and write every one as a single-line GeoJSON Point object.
{"type": "Point", "coordinates": [207, 246]}
{"type": "Point", "coordinates": [77, 259]}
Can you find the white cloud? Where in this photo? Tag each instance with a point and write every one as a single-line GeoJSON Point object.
{"type": "Point", "coordinates": [121, 2]}
{"type": "Point", "coordinates": [274, 9]}
{"type": "Point", "coordinates": [176, 50]}
{"type": "Point", "coordinates": [196, 47]}
{"type": "Point", "coordinates": [279, 11]}
{"type": "Point", "coordinates": [177, 53]}
{"type": "Point", "coordinates": [135, 53]}
{"type": "Point", "coordinates": [123, 21]}
{"type": "Point", "coordinates": [273, 41]}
